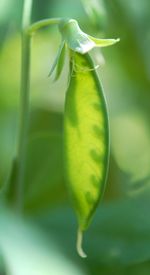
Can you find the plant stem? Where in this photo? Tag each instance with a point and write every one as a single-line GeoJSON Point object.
{"type": "Point", "coordinates": [27, 9]}
{"type": "Point", "coordinates": [24, 105]}
{"type": "Point", "coordinates": [43, 23]}
{"type": "Point", "coordinates": [25, 96]}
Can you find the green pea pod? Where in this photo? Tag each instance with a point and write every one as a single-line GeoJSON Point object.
{"type": "Point", "coordinates": [86, 141]}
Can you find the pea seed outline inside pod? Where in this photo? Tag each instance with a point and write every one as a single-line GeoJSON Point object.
{"type": "Point", "coordinates": [86, 141]}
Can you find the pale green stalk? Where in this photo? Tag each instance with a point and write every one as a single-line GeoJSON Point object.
{"type": "Point", "coordinates": [24, 105]}
{"type": "Point", "coordinates": [27, 31]}
{"type": "Point", "coordinates": [43, 23]}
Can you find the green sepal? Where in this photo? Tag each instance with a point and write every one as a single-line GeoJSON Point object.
{"type": "Point", "coordinates": [59, 61]}
{"type": "Point", "coordinates": [103, 42]}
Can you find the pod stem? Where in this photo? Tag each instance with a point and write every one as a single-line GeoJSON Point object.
{"type": "Point", "coordinates": [79, 244]}
{"type": "Point", "coordinates": [42, 23]}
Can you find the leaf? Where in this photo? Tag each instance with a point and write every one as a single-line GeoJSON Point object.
{"type": "Point", "coordinates": [118, 237]}
{"type": "Point", "coordinates": [2, 265]}
{"type": "Point", "coordinates": [44, 174]}
{"type": "Point", "coordinates": [44, 184]}
{"type": "Point", "coordinates": [26, 250]}
{"type": "Point", "coordinates": [135, 269]}
{"type": "Point", "coordinates": [7, 146]}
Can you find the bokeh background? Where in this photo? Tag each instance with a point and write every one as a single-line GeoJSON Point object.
{"type": "Point", "coordinates": [118, 241]}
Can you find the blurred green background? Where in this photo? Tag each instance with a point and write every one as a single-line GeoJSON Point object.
{"type": "Point", "coordinates": [118, 241]}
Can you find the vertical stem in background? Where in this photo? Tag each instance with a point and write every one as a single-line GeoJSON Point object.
{"type": "Point", "coordinates": [24, 105]}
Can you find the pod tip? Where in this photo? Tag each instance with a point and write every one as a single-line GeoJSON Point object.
{"type": "Point", "coordinates": [117, 40]}
{"type": "Point", "coordinates": [79, 244]}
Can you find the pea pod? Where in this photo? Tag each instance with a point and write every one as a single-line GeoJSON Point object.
{"type": "Point", "coordinates": [86, 141]}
